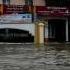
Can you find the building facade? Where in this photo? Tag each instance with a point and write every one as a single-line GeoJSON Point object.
{"type": "Point", "coordinates": [56, 19]}
{"type": "Point", "coordinates": [23, 2]}
{"type": "Point", "coordinates": [57, 22]}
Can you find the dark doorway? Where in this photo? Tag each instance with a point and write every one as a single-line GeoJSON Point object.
{"type": "Point", "coordinates": [69, 29]}
{"type": "Point", "coordinates": [56, 29]}
{"type": "Point", "coordinates": [15, 35]}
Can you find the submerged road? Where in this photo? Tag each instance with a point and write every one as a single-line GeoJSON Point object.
{"type": "Point", "coordinates": [27, 57]}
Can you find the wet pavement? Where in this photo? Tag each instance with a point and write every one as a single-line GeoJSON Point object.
{"type": "Point", "coordinates": [27, 57]}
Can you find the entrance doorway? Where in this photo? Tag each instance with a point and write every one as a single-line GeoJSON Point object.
{"type": "Point", "coordinates": [56, 30]}
{"type": "Point", "coordinates": [15, 35]}
{"type": "Point", "coordinates": [69, 30]}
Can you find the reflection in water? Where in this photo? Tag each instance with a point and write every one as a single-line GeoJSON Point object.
{"type": "Point", "coordinates": [60, 47]}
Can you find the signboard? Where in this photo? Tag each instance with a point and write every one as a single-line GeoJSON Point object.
{"type": "Point", "coordinates": [27, 18]}
{"type": "Point", "coordinates": [9, 9]}
{"type": "Point", "coordinates": [16, 18]}
{"type": "Point", "coordinates": [52, 11]}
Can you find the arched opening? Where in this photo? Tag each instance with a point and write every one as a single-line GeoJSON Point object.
{"type": "Point", "coordinates": [15, 35]}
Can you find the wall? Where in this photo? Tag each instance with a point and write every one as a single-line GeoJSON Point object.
{"type": "Point", "coordinates": [28, 27]}
{"type": "Point", "coordinates": [17, 2]}
{"type": "Point", "coordinates": [46, 31]}
{"type": "Point", "coordinates": [22, 2]}
{"type": "Point", "coordinates": [1, 2]}
{"type": "Point", "coordinates": [39, 2]}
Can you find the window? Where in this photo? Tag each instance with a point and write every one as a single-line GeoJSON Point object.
{"type": "Point", "coordinates": [6, 1]}
{"type": "Point", "coordinates": [57, 2]}
{"type": "Point", "coordinates": [28, 2]}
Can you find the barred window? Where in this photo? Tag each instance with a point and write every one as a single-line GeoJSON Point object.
{"type": "Point", "coordinates": [28, 2]}
{"type": "Point", "coordinates": [6, 1]}
{"type": "Point", "coordinates": [57, 2]}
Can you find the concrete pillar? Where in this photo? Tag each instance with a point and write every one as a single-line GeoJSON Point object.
{"type": "Point", "coordinates": [46, 32]}
{"type": "Point", "coordinates": [50, 30]}
{"type": "Point", "coordinates": [1, 9]}
{"type": "Point", "coordinates": [36, 34]}
{"type": "Point", "coordinates": [39, 34]}
{"type": "Point", "coordinates": [67, 30]}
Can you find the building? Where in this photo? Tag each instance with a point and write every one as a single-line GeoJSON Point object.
{"type": "Point", "coordinates": [19, 30]}
{"type": "Point", "coordinates": [56, 25]}
{"type": "Point", "coordinates": [57, 21]}
{"type": "Point", "coordinates": [23, 2]}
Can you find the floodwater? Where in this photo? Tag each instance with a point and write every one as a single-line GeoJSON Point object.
{"type": "Point", "coordinates": [27, 57]}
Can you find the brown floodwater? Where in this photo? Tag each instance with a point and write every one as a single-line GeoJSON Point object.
{"type": "Point", "coordinates": [27, 57]}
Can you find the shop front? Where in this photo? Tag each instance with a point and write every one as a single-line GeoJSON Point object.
{"type": "Point", "coordinates": [17, 28]}
{"type": "Point", "coordinates": [56, 30]}
{"type": "Point", "coordinates": [57, 25]}
{"type": "Point", "coordinates": [17, 33]}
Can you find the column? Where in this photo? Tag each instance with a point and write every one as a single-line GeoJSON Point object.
{"type": "Point", "coordinates": [39, 34]}
{"type": "Point", "coordinates": [1, 9]}
{"type": "Point", "coordinates": [67, 30]}
{"type": "Point", "coordinates": [46, 32]}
